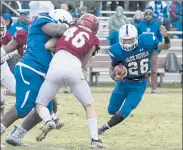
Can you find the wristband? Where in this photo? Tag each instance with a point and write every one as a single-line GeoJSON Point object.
{"type": "Point", "coordinates": [167, 40]}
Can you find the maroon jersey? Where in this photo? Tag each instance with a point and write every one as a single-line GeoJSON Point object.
{"type": "Point", "coordinates": [21, 38]}
{"type": "Point", "coordinates": [77, 41]}
{"type": "Point", "coordinates": [6, 39]}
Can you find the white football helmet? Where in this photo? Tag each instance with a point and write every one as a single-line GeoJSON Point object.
{"type": "Point", "coordinates": [128, 37]}
{"type": "Point", "coordinates": [62, 16]}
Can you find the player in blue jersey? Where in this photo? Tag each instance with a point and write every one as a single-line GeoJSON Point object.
{"type": "Point", "coordinates": [134, 53]}
{"type": "Point", "coordinates": [31, 70]}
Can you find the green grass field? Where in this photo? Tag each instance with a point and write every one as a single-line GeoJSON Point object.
{"type": "Point", "coordinates": [156, 124]}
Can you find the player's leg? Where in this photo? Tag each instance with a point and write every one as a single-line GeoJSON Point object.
{"type": "Point", "coordinates": [7, 80]}
{"type": "Point", "coordinates": [2, 102]}
{"type": "Point", "coordinates": [54, 80]}
{"type": "Point", "coordinates": [116, 100]}
{"type": "Point", "coordinates": [27, 87]}
{"type": "Point", "coordinates": [133, 98]}
{"type": "Point", "coordinates": [11, 115]}
{"type": "Point", "coordinates": [16, 137]}
{"type": "Point", "coordinates": [154, 58]}
{"type": "Point", "coordinates": [58, 122]}
{"type": "Point", "coordinates": [82, 92]}
{"type": "Point", "coordinates": [8, 92]}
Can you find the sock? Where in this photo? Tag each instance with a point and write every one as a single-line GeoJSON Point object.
{"type": "Point", "coordinates": [54, 116]}
{"type": "Point", "coordinates": [92, 125]}
{"type": "Point", "coordinates": [116, 119]}
{"type": "Point", "coordinates": [3, 128]}
{"type": "Point", "coordinates": [45, 114]}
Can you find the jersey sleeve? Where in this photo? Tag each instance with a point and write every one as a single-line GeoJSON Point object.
{"type": "Point", "coordinates": [114, 52]}
{"type": "Point", "coordinates": [20, 37]}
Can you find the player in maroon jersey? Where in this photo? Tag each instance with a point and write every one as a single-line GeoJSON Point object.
{"type": "Point", "coordinates": [73, 50]}
{"type": "Point", "coordinates": [13, 45]}
{"type": "Point", "coordinates": [7, 78]}
{"type": "Point", "coordinates": [18, 42]}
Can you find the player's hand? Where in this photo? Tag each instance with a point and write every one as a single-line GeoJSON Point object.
{"type": "Point", "coordinates": [164, 31]}
{"type": "Point", "coordinates": [118, 77]}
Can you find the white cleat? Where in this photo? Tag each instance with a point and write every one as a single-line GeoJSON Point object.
{"type": "Point", "coordinates": [95, 144]}
{"type": "Point", "coordinates": [15, 138]}
{"type": "Point", "coordinates": [59, 124]}
{"type": "Point", "coordinates": [50, 125]}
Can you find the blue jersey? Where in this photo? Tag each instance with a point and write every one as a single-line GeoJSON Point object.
{"type": "Point", "coordinates": [136, 61]}
{"type": "Point", "coordinates": [36, 55]}
{"type": "Point", "coordinates": [153, 27]}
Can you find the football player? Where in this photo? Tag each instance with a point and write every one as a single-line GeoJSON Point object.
{"type": "Point", "coordinates": [31, 69]}
{"type": "Point", "coordinates": [7, 78]}
{"type": "Point", "coordinates": [73, 50]}
{"type": "Point", "coordinates": [134, 52]}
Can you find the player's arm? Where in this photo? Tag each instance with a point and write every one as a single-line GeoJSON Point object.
{"type": "Point", "coordinates": [112, 73]}
{"type": "Point", "coordinates": [88, 56]}
{"type": "Point", "coordinates": [166, 43]}
{"type": "Point", "coordinates": [10, 47]}
{"type": "Point", "coordinates": [53, 29]}
{"type": "Point", "coordinates": [8, 56]}
{"type": "Point", "coordinates": [51, 44]}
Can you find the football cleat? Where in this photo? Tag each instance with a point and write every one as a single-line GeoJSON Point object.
{"type": "Point", "coordinates": [50, 125]}
{"type": "Point", "coordinates": [102, 129]}
{"type": "Point", "coordinates": [15, 138]}
{"type": "Point", "coordinates": [59, 124]}
{"type": "Point", "coordinates": [96, 144]}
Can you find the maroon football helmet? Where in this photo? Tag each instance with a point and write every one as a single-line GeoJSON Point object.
{"type": "Point", "coordinates": [90, 21]}
{"type": "Point", "coordinates": [2, 28]}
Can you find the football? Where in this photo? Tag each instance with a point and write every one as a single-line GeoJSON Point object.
{"type": "Point", "coordinates": [120, 69]}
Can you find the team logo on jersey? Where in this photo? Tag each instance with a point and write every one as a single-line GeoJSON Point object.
{"type": "Point", "coordinates": [137, 56]}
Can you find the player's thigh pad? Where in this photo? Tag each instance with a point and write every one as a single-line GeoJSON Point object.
{"type": "Point", "coordinates": [117, 98]}
{"type": "Point", "coordinates": [79, 86]}
{"type": "Point", "coordinates": [27, 87]}
{"type": "Point", "coordinates": [133, 98]}
{"type": "Point", "coordinates": [55, 78]}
